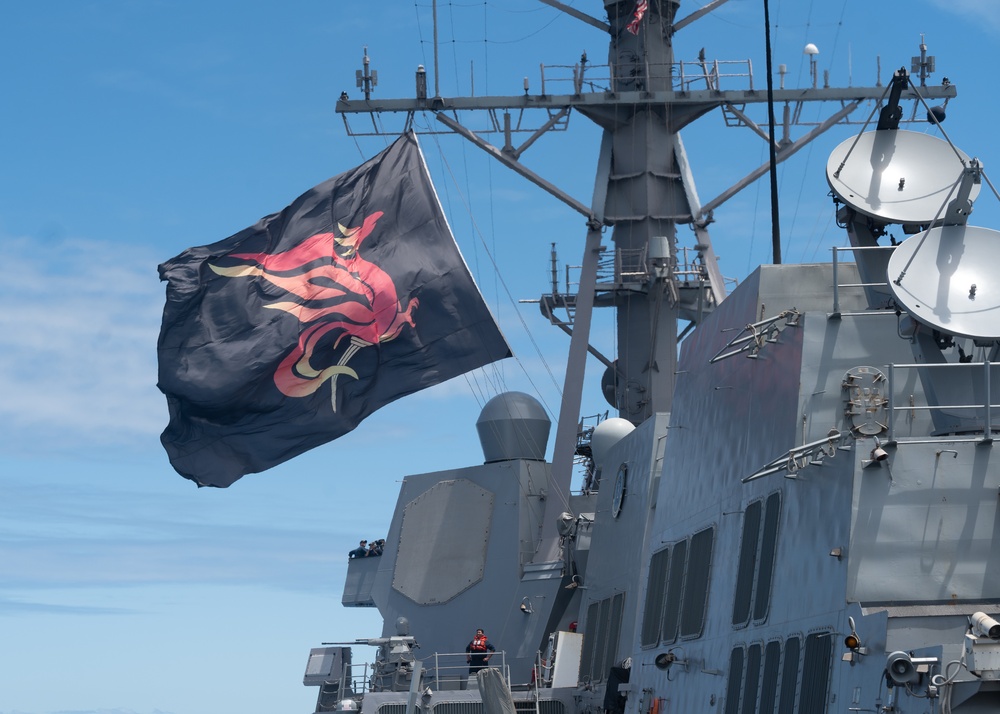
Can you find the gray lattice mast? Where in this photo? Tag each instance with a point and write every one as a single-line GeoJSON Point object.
{"type": "Point", "coordinates": [644, 189]}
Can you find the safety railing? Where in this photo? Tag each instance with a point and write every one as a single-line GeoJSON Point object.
{"type": "Point", "coordinates": [445, 670]}
{"type": "Point", "coordinates": [440, 671]}
{"type": "Point", "coordinates": [681, 76]}
{"type": "Point", "coordinates": [837, 285]}
{"type": "Point", "coordinates": [981, 408]}
{"type": "Point", "coordinates": [625, 265]}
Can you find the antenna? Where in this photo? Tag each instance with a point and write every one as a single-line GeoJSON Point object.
{"type": "Point", "coordinates": [885, 175]}
{"type": "Point", "coordinates": [367, 78]}
{"type": "Point", "coordinates": [923, 66]}
{"type": "Point", "coordinates": [812, 50]}
{"type": "Point", "coordinates": [948, 279]}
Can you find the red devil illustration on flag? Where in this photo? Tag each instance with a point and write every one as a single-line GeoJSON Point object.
{"type": "Point", "coordinates": [375, 316]}
{"type": "Point", "coordinates": [286, 335]}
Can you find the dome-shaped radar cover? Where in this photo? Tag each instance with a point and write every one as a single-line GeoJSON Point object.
{"type": "Point", "coordinates": [606, 434]}
{"type": "Point", "coordinates": [513, 425]}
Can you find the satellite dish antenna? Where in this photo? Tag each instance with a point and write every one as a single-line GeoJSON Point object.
{"type": "Point", "coordinates": [898, 176]}
{"type": "Point", "coordinates": [946, 277]}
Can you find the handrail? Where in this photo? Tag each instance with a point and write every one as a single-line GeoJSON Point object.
{"type": "Point", "coordinates": [439, 668]}
{"type": "Point", "coordinates": [443, 672]}
{"type": "Point", "coordinates": [682, 75]}
{"type": "Point", "coordinates": [458, 672]}
{"type": "Point", "coordinates": [836, 281]}
{"type": "Point", "coordinates": [986, 405]}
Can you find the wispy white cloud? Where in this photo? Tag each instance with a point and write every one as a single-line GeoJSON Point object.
{"type": "Point", "coordinates": [14, 606]}
{"type": "Point", "coordinates": [65, 533]}
{"type": "Point", "coordinates": [206, 554]}
{"type": "Point", "coordinates": [96, 711]}
{"type": "Point", "coordinates": [77, 343]}
{"type": "Point", "coordinates": [982, 13]}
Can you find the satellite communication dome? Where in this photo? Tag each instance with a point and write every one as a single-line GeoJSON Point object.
{"type": "Point", "coordinates": [513, 425]}
{"type": "Point", "coordinates": [606, 434]}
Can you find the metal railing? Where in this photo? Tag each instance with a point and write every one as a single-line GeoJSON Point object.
{"type": "Point", "coordinates": [440, 671]}
{"type": "Point", "coordinates": [444, 669]}
{"type": "Point", "coordinates": [679, 76]}
{"type": "Point", "coordinates": [629, 265]}
{"type": "Point", "coordinates": [984, 407]}
{"type": "Point", "coordinates": [837, 285]}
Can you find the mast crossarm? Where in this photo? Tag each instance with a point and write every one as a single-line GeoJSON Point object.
{"type": "Point", "coordinates": [632, 99]}
{"type": "Point", "coordinates": [607, 108]}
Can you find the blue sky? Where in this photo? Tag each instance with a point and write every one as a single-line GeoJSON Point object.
{"type": "Point", "coordinates": [134, 129]}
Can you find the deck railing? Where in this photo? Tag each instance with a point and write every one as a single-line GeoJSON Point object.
{"type": "Point", "coordinates": [837, 285]}
{"type": "Point", "coordinates": [439, 671]}
{"type": "Point", "coordinates": [982, 408]}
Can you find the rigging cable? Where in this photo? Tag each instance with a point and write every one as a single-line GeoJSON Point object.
{"type": "Point", "coordinates": [506, 289]}
{"type": "Point", "coordinates": [482, 392]}
{"type": "Point", "coordinates": [496, 385]}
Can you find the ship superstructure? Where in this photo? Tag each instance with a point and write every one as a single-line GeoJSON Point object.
{"type": "Point", "coordinates": [795, 508]}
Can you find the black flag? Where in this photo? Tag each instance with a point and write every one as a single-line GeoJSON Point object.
{"type": "Point", "coordinates": [289, 333]}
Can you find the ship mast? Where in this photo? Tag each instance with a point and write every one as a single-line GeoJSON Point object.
{"type": "Point", "coordinates": [644, 190]}
{"type": "Point", "coordinates": [646, 200]}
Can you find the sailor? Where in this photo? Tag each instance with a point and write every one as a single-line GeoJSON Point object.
{"type": "Point", "coordinates": [479, 652]}
{"type": "Point", "coordinates": [360, 552]}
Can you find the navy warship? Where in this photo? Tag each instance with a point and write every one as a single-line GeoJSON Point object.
{"type": "Point", "coordinates": [794, 506]}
